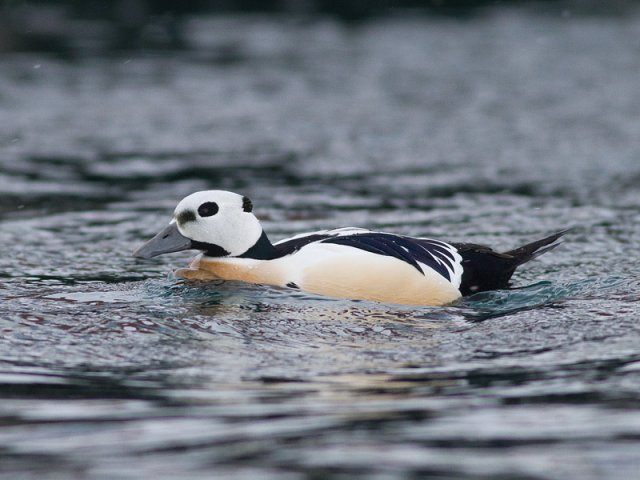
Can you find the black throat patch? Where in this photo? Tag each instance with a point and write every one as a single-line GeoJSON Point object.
{"type": "Point", "coordinates": [209, 249]}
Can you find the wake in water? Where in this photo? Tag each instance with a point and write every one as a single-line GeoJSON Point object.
{"type": "Point", "coordinates": [497, 303]}
{"type": "Point", "coordinates": [475, 308]}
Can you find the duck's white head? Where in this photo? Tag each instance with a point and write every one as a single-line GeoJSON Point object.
{"type": "Point", "coordinates": [217, 222]}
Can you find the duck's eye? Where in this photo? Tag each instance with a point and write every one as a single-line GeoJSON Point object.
{"type": "Point", "coordinates": [208, 209]}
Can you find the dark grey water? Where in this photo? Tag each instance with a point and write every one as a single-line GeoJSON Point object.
{"type": "Point", "coordinates": [497, 129]}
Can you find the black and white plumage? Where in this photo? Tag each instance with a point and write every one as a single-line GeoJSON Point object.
{"type": "Point", "coordinates": [352, 263]}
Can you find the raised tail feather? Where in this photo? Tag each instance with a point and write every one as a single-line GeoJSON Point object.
{"type": "Point", "coordinates": [486, 269]}
{"type": "Point", "coordinates": [534, 249]}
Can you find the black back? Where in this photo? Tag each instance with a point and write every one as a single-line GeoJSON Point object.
{"type": "Point", "coordinates": [295, 244]}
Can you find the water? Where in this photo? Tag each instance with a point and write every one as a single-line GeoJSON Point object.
{"type": "Point", "coordinates": [497, 129]}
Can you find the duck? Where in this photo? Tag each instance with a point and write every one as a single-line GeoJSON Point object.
{"type": "Point", "coordinates": [346, 263]}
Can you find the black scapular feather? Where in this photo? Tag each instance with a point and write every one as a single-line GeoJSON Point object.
{"type": "Point", "coordinates": [410, 250]}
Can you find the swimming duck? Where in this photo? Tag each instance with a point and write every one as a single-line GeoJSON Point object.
{"type": "Point", "coordinates": [352, 263]}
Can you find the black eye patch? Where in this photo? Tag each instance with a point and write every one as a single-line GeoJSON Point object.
{"type": "Point", "coordinates": [208, 209]}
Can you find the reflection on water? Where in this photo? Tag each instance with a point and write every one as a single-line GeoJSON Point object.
{"type": "Point", "coordinates": [492, 130]}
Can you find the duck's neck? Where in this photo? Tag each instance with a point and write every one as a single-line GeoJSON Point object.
{"type": "Point", "coordinates": [263, 249]}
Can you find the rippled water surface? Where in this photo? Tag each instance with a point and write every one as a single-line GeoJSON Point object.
{"type": "Point", "coordinates": [497, 129]}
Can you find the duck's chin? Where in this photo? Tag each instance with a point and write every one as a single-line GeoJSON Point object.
{"type": "Point", "coordinates": [209, 249]}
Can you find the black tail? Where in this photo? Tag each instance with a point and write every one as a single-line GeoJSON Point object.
{"type": "Point", "coordinates": [534, 249]}
{"type": "Point", "coordinates": [486, 269]}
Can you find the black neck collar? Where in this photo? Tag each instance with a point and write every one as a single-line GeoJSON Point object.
{"type": "Point", "coordinates": [263, 249]}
